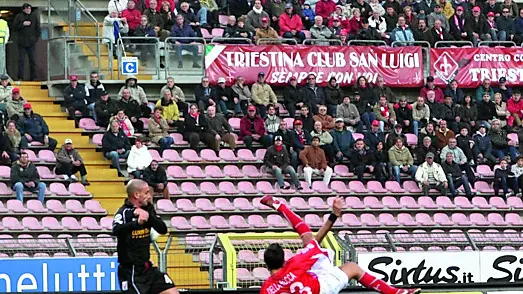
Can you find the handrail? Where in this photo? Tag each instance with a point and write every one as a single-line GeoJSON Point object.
{"type": "Point", "coordinates": [221, 39]}
{"type": "Point", "coordinates": [378, 42]}
{"type": "Point", "coordinates": [500, 43]}
{"type": "Point", "coordinates": [447, 43]}
{"type": "Point", "coordinates": [90, 15]}
{"type": "Point", "coordinates": [272, 41]}
{"type": "Point", "coordinates": [314, 41]}
{"type": "Point", "coordinates": [412, 43]}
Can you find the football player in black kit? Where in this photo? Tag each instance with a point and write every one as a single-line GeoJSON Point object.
{"type": "Point", "coordinates": [132, 226]}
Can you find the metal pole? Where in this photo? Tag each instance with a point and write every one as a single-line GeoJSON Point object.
{"type": "Point", "coordinates": [165, 251]}
{"type": "Point", "coordinates": [70, 246]}
{"type": "Point", "coordinates": [211, 262]}
{"type": "Point", "coordinates": [159, 252]}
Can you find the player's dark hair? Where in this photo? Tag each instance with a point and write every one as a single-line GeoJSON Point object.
{"type": "Point", "coordinates": [274, 256]}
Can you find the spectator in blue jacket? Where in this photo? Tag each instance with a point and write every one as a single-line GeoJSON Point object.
{"type": "Point", "coordinates": [301, 137]}
{"type": "Point", "coordinates": [33, 128]}
{"type": "Point", "coordinates": [518, 25]}
{"type": "Point", "coordinates": [484, 146]}
{"type": "Point", "coordinates": [402, 33]}
{"type": "Point", "coordinates": [184, 30]}
{"type": "Point", "coordinates": [342, 140]}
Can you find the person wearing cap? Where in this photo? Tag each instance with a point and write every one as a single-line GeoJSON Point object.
{"type": "Point", "coordinates": [33, 128]}
{"type": "Point", "coordinates": [492, 25]}
{"type": "Point", "coordinates": [197, 129]}
{"type": "Point", "coordinates": [505, 24]}
{"type": "Point", "coordinates": [262, 95]}
{"type": "Point", "coordinates": [315, 162]}
{"type": "Point", "coordinates": [244, 96]}
{"type": "Point", "coordinates": [254, 17]}
{"type": "Point", "coordinates": [455, 175]}
{"type": "Point", "coordinates": [159, 129]}
{"type": "Point", "coordinates": [137, 94]}
{"type": "Point", "coordinates": [220, 128]}
{"type": "Point", "coordinates": [139, 159]}
{"type": "Point", "coordinates": [177, 95]}
{"type": "Point", "coordinates": [438, 14]}
{"type": "Point", "coordinates": [479, 26]}
{"type": "Point", "coordinates": [349, 114]}
{"type": "Point", "coordinates": [342, 141]}
{"type": "Point", "coordinates": [484, 146]}
{"type": "Point", "coordinates": [288, 140]}
{"type": "Point", "coordinates": [105, 108]}
{"type": "Point", "coordinates": [27, 27]}
{"type": "Point", "coordinates": [326, 120]}
{"type": "Point", "coordinates": [401, 160]}
{"type": "Point", "coordinates": [24, 177]}
{"type": "Point", "coordinates": [501, 145]}
{"type": "Point", "coordinates": [424, 148]}
{"type": "Point", "coordinates": [75, 97]}
{"type": "Point", "coordinates": [374, 136]}
{"type": "Point", "coordinates": [132, 110]}
{"type": "Point", "coordinates": [277, 162]}
{"type": "Point", "coordinates": [265, 31]}
{"type": "Point", "coordinates": [291, 25]}
{"type": "Point", "coordinates": [325, 141]}
{"type": "Point", "coordinates": [369, 33]}
{"type": "Point", "coordinates": [170, 111]}
{"type": "Point", "coordinates": [320, 31]}
{"type": "Point", "coordinates": [430, 175]}
{"type": "Point", "coordinates": [6, 91]}
{"type": "Point", "coordinates": [385, 113]}
{"type": "Point", "coordinates": [485, 87]}
{"type": "Point", "coordinates": [515, 107]}
{"type": "Point", "coordinates": [69, 162]}
{"type": "Point", "coordinates": [115, 145]}
{"type": "Point", "coordinates": [502, 88]}
{"type": "Point", "coordinates": [430, 86]}
{"type": "Point", "coordinates": [301, 136]}
{"type": "Point", "coordinates": [252, 128]}
{"type": "Point", "coordinates": [293, 97]}
{"type": "Point", "coordinates": [335, 26]}
{"type": "Point", "coordinates": [228, 99]}
{"type": "Point", "coordinates": [404, 114]}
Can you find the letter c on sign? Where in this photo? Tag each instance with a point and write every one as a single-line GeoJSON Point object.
{"type": "Point", "coordinates": [129, 67]}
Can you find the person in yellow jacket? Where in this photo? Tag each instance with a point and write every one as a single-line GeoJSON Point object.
{"type": "Point", "coordinates": [170, 110]}
{"type": "Point", "coordinates": [4, 31]}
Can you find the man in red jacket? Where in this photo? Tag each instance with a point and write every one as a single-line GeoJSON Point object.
{"type": "Point", "coordinates": [291, 24]}
{"type": "Point", "coordinates": [325, 8]}
{"type": "Point", "coordinates": [252, 128]}
{"type": "Point", "coordinates": [515, 107]}
{"type": "Point", "coordinates": [133, 16]}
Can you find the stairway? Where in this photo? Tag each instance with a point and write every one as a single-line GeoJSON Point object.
{"type": "Point", "coordinates": [106, 186]}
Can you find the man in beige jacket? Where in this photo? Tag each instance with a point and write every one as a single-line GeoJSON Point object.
{"type": "Point", "coordinates": [262, 95]}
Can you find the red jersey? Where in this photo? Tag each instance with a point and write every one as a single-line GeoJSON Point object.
{"type": "Point", "coordinates": [295, 275]}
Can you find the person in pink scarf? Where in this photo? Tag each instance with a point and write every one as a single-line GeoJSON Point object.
{"type": "Point", "coordinates": [125, 123]}
{"type": "Point", "coordinates": [384, 112]}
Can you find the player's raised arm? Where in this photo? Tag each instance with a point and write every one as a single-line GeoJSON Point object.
{"type": "Point", "coordinates": [337, 206]}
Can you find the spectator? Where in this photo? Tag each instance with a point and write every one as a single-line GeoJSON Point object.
{"type": "Point", "coordinates": [375, 136]}
{"type": "Point", "coordinates": [479, 26]}
{"type": "Point", "coordinates": [493, 30]}
{"type": "Point", "coordinates": [367, 32]}
{"type": "Point", "coordinates": [277, 162]}
{"type": "Point", "coordinates": [325, 140]}
{"type": "Point", "coordinates": [292, 97]}
{"type": "Point", "coordinates": [342, 141]}
{"type": "Point", "coordinates": [333, 96]}
{"type": "Point", "coordinates": [355, 23]}
{"type": "Point", "coordinates": [263, 95]}
{"type": "Point", "coordinates": [326, 120]}
{"type": "Point", "coordinates": [439, 33]}
{"type": "Point", "coordinates": [13, 140]}
{"type": "Point", "coordinates": [131, 108]}
{"type": "Point", "coordinates": [252, 128]}
{"type": "Point", "coordinates": [503, 89]}
{"type": "Point", "coordinates": [75, 97]}
{"type": "Point", "coordinates": [447, 8]}
{"type": "Point", "coordinates": [244, 96]}
{"type": "Point", "coordinates": [105, 108]}
{"type": "Point", "coordinates": [319, 31]}
{"type": "Point", "coordinates": [422, 32]}
{"type": "Point", "coordinates": [226, 97]}
{"type": "Point", "coordinates": [338, 14]}
{"type": "Point", "coordinates": [503, 176]}
{"type": "Point", "coordinates": [402, 33]}
{"type": "Point", "coordinates": [410, 17]}
{"type": "Point", "coordinates": [34, 129]}
{"type": "Point", "coordinates": [515, 107]}
{"type": "Point", "coordinates": [429, 131]}
{"type": "Point", "coordinates": [291, 25]}
{"type": "Point", "coordinates": [465, 143]}
{"type": "Point", "coordinates": [315, 162]}
{"type": "Point", "coordinates": [147, 39]}
{"type": "Point", "coordinates": [427, 7]}
{"type": "Point", "coordinates": [430, 175]}
{"type": "Point", "coordinates": [197, 128]}
{"type": "Point", "coordinates": [238, 7]}
{"type": "Point", "coordinates": [5, 92]}
{"type": "Point", "coordinates": [459, 158]}
{"type": "Point", "coordinates": [133, 16]}
{"type": "Point", "coordinates": [365, 90]}
{"type": "Point", "coordinates": [501, 111]}
{"type": "Point", "coordinates": [429, 86]}
{"type": "Point", "coordinates": [484, 146]}
{"type": "Point", "coordinates": [255, 16]}
{"type": "Point", "coordinates": [139, 159]}
{"type": "Point", "coordinates": [94, 90]}
{"type": "Point", "coordinates": [438, 15]}
{"type": "Point", "coordinates": [231, 30]}
{"type": "Point", "coordinates": [501, 145]}
{"type": "Point", "coordinates": [156, 20]}
{"type": "Point", "coordinates": [443, 133]}
{"type": "Point", "coordinates": [420, 115]}
{"type": "Point", "coordinates": [69, 162]}
{"type": "Point", "coordinates": [265, 31]}
{"type": "Point", "coordinates": [385, 113]}
{"type": "Point", "coordinates": [448, 113]}
{"type": "Point", "coordinates": [301, 137]}
{"type": "Point", "coordinates": [364, 109]}
{"type": "Point", "coordinates": [486, 110]}
{"type": "Point", "coordinates": [24, 177]}
{"type": "Point", "coordinates": [159, 129]}
{"type": "Point", "coordinates": [376, 7]}
{"type": "Point", "coordinates": [156, 177]}
{"type": "Point", "coordinates": [404, 114]}
{"type": "Point", "coordinates": [455, 92]}
{"type": "Point", "coordinates": [435, 108]}
{"type": "Point", "coordinates": [243, 31]}
{"type": "Point", "coordinates": [517, 170]}
{"type": "Point", "coordinates": [363, 160]}
{"type": "Point", "coordinates": [506, 26]}
{"type": "Point", "coordinates": [306, 118]}
{"type": "Point", "coordinates": [185, 34]}
{"type": "Point", "coordinates": [288, 141]}
{"type": "Point", "coordinates": [272, 122]}
{"type": "Point", "coordinates": [136, 93]}
{"type": "Point", "coordinates": [309, 15]}
{"type": "Point", "coordinates": [512, 7]}
{"type": "Point", "coordinates": [205, 94]}
{"type": "Point", "coordinates": [170, 109]}
{"type": "Point", "coordinates": [467, 113]}
{"type": "Point", "coordinates": [313, 94]}
{"type": "Point", "coordinates": [425, 148]}
{"type": "Point", "coordinates": [381, 89]}
{"type": "Point", "coordinates": [115, 146]}
{"type": "Point", "coordinates": [15, 105]}
{"type": "Point", "coordinates": [325, 8]}
{"type": "Point", "coordinates": [220, 128]}
{"type": "Point", "coordinates": [349, 114]}
{"type": "Point", "coordinates": [114, 26]}
{"type": "Point", "coordinates": [27, 25]}
{"type": "Point", "coordinates": [336, 26]}
{"type": "Point", "coordinates": [401, 160]}
{"type": "Point", "coordinates": [396, 132]}
{"type": "Point", "coordinates": [492, 6]}
{"type": "Point", "coordinates": [391, 18]}
{"type": "Point", "coordinates": [455, 176]}
{"type": "Point", "coordinates": [189, 18]}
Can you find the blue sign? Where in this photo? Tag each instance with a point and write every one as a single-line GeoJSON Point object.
{"type": "Point", "coordinates": [129, 65]}
{"type": "Point", "coordinates": [72, 274]}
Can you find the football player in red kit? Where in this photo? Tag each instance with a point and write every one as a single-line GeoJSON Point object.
{"type": "Point", "coordinates": [311, 270]}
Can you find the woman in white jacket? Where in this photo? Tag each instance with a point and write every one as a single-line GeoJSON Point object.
{"type": "Point", "coordinates": [108, 27]}
{"type": "Point", "coordinates": [139, 159]}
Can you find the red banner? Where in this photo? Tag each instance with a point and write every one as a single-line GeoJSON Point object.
{"type": "Point", "coordinates": [469, 66]}
{"type": "Point", "coordinates": [400, 67]}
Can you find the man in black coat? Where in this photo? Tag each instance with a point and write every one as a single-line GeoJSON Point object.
{"type": "Point", "coordinates": [277, 161]}
{"type": "Point", "coordinates": [205, 94]}
{"type": "Point", "coordinates": [293, 97]}
{"type": "Point", "coordinates": [105, 108]}
{"type": "Point", "coordinates": [313, 94]}
{"type": "Point", "coordinates": [156, 178]}
{"type": "Point", "coordinates": [27, 25]}
{"type": "Point", "coordinates": [116, 145]}
{"type": "Point", "coordinates": [132, 109]}
{"type": "Point", "coordinates": [75, 96]}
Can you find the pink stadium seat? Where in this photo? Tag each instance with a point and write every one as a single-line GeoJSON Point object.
{"type": "Point", "coordinates": [209, 155]}
{"type": "Point", "coordinates": [496, 219]}
{"type": "Point", "coordinates": [461, 219]}
{"type": "Point", "coordinates": [190, 155]}
{"type": "Point", "coordinates": [251, 171]}
{"type": "Point", "coordinates": [391, 202]}
{"type": "Point", "coordinates": [342, 171]}
{"type": "Point", "coordinates": [171, 155]}
{"type": "Point", "coordinates": [337, 224]}
{"type": "Point", "coordinates": [155, 155]}
{"type": "Point", "coordinates": [265, 187]}
{"type": "Point", "coordinates": [354, 202]}
{"type": "Point", "coordinates": [227, 188]}
{"type": "Point", "coordinates": [424, 219]}
{"type": "Point", "coordinates": [260, 273]}
{"type": "Point", "coordinates": [235, 123]}
{"type": "Point", "coordinates": [513, 219]}
{"type": "Point", "coordinates": [411, 187]}
{"type": "Point", "coordinates": [200, 223]}
{"type": "Point", "coordinates": [321, 187]}
{"type": "Point", "coordinates": [357, 136]}
{"type": "Point", "coordinates": [256, 203]}
{"type": "Point", "coordinates": [145, 122]}
{"type": "Point", "coordinates": [217, 32]}
{"type": "Point", "coordinates": [97, 139]}
{"type": "Point", "coordinates": [276, 221]}
{"type": "Point", "coordinates": [313, 220]}
{"type": "Point", "coordinates": [32, 156]}
{"type": "Point", "coordinates": [260, 154]}
{"type": "Point", "coordinates": [238, 222]}
{"type": "Point", "coordinates": [45, 173]}
{"type": "Point", "coordinates": [223, 204]}
{"type": "Point", "coordinates": [478, 219]}
{"type": "Point", "coordinates": [71, 223]}
{"type": "Point", "coordinates": [369, 220]}
{"type": "Point", "coordinates": [228, 155]}
{"type": "Point", "coordinates": [317, 203]}
{"type": "Point", "coordinates": [357, 187]}
{"type": "Point", "coordinates": [106, 222]}
{"type": "Point", "coordinates": [165, 206]}
{"type": "Point", "coordinates": [394, 187]}
{"type": "Point", "coordinates": [289, 121]}
{"type": "Point", "coordinates": [406, 220]}
{"type": "Point", "coordinates": [4, 190]}
{"type": "Point", "coordinates": [412, 140]}
{"type": "Point", "coordinates": [206, 34]}
{"type": "Point", "coordinates": [242, 204]}
{"type": "Point", "coordinates": [59, 189]}
{"type": "Point", "coordinates": [299, 204]}
{"type": "Point", "coordinates": [185, 205]}
{"type": "Point", "coordinates": [194, 171]}
{"type": "Point", "coordinates": [232, 171]}
{"type": "Point", "coordinates": [445, 202]}
{"type": "Point", "coordinates": [481, 203]}
{"type": "Point", "coordinates": [214, 171]}
{"type": "Point", "coordinates": [339, 187]}
{"type": "Point", "coordinates": [513, 137]}
{"type": "Point", "coordinates": [484, 171]}
{"type": "Point", "coordinates": [46, 155]}
{"type": "Point", "coordinates": [173, 189]}
{"type": "Point", "coordinates": [74, 206]}
{"type": "Point", "coordinates": [442, 219]}
{"type": "Point", "coordinates": [219, 222]}
{"type": "Point", "coordinates": [247, 188]}
{"type": "Point", "coordinates": [55, 206]}
{"type": "Point", "coordinates": [498, 202]}
{"type": "Point", "coordinates": [5, 172]}
{"type": "Point", "coordinates": [387, 219]}
{"type": "Point", "coordinates": [246, 155]}
{"type": "Point", "coordinates": [35, 206]}
{"type": "Point", "coordinates": [247, 256]}
{"type": "Point", "coordinates": [427, 202]}
{"type": "Point", "coordinates": [78, 189]}
{"type": "Point", "coordinates": [256, 221]}
{"type": "Point", "coordinates": [16, 206]}
{"type": "Point", "coordinates": [32, 224]}
{"type": "Point", "coordinates": [176, 171]}
{"type": "Point", "coordinates": [209, 188]}
{"type": "Point", "coordinates": [94, 206]}
{"type": "Point", "coordinates": [90, 223]}
{"type": "Point", "coordinates": [515, 202]}
{"type": "Point", "coordinates": [243, 274]}
{"type": "Point", "coordinates": [88, 124]}
{"type": "Point", "coordinates": [372, 202]}
{"type": "Point", "coordinates": [463, 202]}
{"type": "Point", "coordinates": [178, 139]}
{"type": "Point", "coordinates": [375, 187]}
{"type": "Point", "coordinates": [180, 223]}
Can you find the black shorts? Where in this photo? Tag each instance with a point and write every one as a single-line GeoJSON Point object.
{"type": "Point", "coordinates": [138, 280]}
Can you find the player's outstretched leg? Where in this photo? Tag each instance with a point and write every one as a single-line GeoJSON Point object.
{"type": "Point", "coordinates": [354, 271]}
{"type": "Point", "coordinates": [297, 222]}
